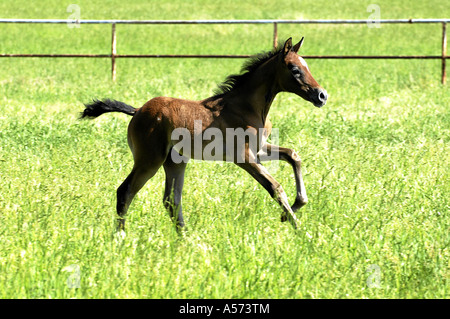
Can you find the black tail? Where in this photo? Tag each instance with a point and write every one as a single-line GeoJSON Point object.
{"type": "Point", "coordinates": [97, 108]}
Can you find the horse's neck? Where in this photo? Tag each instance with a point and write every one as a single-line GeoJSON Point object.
{"type": "Point", "coordinates": [258, 92]}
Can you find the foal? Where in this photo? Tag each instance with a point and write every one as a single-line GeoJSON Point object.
{"type": "Point", "coordinates": [168, 131]}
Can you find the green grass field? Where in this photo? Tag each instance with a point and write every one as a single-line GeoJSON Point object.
{"type": "Point", "coordinates": [375, 158]}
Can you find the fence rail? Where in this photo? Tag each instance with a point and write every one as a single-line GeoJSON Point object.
{"type": "Point", "coordinates": [113, 55]}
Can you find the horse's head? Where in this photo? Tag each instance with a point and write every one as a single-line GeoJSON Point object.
{"type": "Point", "coordinates": [295, 76]}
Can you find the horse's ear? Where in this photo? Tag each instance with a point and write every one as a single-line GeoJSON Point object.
{"type": "Point", "coordinates": [298, 45]}
{"type": "Point", "coordinates": [287, 46]}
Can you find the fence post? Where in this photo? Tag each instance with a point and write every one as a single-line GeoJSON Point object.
{"type": "Point", "coordinates": [113, 52]}
{"type": "Point", "coordinates": [275, 35]}
{"type": "Point", "coordinates": [444, 51]}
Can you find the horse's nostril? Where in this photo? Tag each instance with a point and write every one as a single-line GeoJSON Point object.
{"type": "Point", "coordinates": [322, 96]}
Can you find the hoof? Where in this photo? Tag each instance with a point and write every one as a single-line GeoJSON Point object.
{"type": "Point", "coordinates": [120, 224]}
{"type": "Point", "coordinates": [120, 235]}
{"type": "Point", "coordinates": [292, 219]}
{"type": "Point", "coordinates": [298, 204]}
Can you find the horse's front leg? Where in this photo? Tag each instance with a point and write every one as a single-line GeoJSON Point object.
{"type": "Point", "coordinates": [274, 188]}
{"type": "Point", "coordinates": [272, 152]}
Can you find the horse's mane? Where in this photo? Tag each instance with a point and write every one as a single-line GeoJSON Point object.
{"type": "Point", "coordinates": [235, 80]}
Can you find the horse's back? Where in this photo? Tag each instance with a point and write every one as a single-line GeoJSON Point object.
{"type": "Point", "coordinates": [174, 112]}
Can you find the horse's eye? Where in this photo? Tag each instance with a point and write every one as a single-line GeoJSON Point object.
{"type": "Point", "coordinates": [296, 72]}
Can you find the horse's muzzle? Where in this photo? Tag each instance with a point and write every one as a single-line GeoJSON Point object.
{"type": "Point", "coordinates": [319, 97]}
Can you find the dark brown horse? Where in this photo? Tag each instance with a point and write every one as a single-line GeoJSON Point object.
{"type": "Point", "coordinates": [168, 131]}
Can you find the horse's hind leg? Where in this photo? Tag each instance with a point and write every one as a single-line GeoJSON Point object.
{"type": "Point", "coordinates": [174, 188]}
{"type": "Point", "coordinates": [148, 141]}
{"type": "Point", "coordinates": [130, 187]}
{"type": "Point", "coordinates": [146, 164]}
